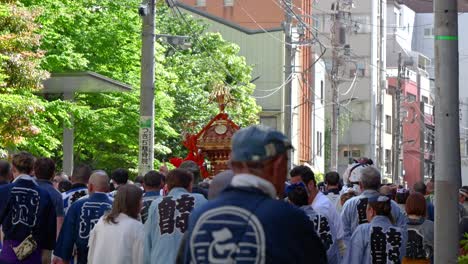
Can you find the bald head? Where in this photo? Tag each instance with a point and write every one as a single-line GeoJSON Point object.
{"type": "Point", "coordinates": [98, 182]}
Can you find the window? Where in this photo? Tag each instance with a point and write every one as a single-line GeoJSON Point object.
{"type": "Point", "coordinates": [388, 124]}
{"type": "Point", "coordinates": [362, 24]}
{"type": "Point", "coordinates": [425, 99]}
{"type": "Point", "coordinates": [411, 97]}
{"type": "Point", "coordinates": [428, 32]}
{"type": "Point", "coordinates": [396, 11]}
{"type": "Point", "coordinates": [423, 62]}
{"type": "Point", "coordinates": [388, 161]}
{"type": "Point", "coordinates": [361, 71]}
{"type": "Point", "coordinates": [228, 2]}
{"type": "Point", "coordinates": [316, 22]}
{"type": "Point", "coordinates": [355, 153]}
{"type": "Point", "coordinates": [319, 144]}
{"type": "Point", "coordinates": [269, 121]}
{"type": "Point", "coordinates": [321, 91]}
{"type": "Point", "coordinates": [201, 3]}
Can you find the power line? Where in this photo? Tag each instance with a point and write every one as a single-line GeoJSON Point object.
{"type": "Point", "coordinates": [260, 26]}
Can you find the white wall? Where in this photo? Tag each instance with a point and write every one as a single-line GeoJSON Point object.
{"type": "Point", "coordinates": [318, 119]}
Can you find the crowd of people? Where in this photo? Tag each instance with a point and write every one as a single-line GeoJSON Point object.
{"type": "Point", "coordinates": [252, 213]}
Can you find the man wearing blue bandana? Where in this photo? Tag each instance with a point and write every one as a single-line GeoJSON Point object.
{"type": "Point", "coordinates": [26, 209]}
{"type": "Point", "coordinates": [81, 218]}
{"type": "Point", "coordinates": [246, 222]}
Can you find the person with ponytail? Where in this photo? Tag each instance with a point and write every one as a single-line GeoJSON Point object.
{"type": "Point", "coordinates": [379, 240]}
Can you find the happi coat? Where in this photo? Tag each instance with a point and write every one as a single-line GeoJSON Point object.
{"type": "Point", "coordinates": [26, 209]}
{"type": "Point", "coordinates": [148, 198]}
{"type": "Point", "coordinates": [420, 245]}
{"type": "Point", "coordinates": [166, 224]}
{"type": "Point", "coordinates": [77, 191]}
{"type": "Point", "coordinates": [246, 223]}
{"type": "Point", "coordinates": [328, 225]}
{"type": "Point", "coordinates": [354, 214]}
{"type": "Point", "coordinates": [79, 221]}
{"type": "Point", "coordinates": [377, 242]}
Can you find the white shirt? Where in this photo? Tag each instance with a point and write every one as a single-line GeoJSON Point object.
{"type": "Point", "coordinates": [120, 243]}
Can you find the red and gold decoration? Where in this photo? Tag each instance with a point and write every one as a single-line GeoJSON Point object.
{"type": "Point", "coordinates": [212, 145]}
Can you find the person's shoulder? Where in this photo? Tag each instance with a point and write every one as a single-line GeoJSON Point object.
{"type": "Point", "coordinates": [199, 197]}
{"type": "Point", "coordinates": [6, 187]}
{"type": "Point", "coordinates": [54, 193]}
{"type": "Point", "coordinates": [350, 203]}
{"type": "Point", "coordinates": [132, 224]}
{"type": "Point", "coordinates": [78, 204]}
{"type": "Point", "coordinates": [283, 210]}
{"type": "Point", "coordinates": [363, 227]}
{"type": "Point", "coordinates": [428, 223]}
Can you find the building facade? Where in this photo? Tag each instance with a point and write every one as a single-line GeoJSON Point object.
{"type": "Point", "coordinates": [417, 125]}
{"type": "Point", "coordinates": [363, 103]}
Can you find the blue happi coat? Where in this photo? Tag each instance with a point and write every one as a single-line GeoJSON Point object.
{"type": "Point", "coordinates": [354, 214]}
{"type": "Point", "coordinates": [376, 242]}
{"type": "Point", "coordinates": [148, 198]}
{"type": "Point", "coordinates": [80, 219]}
{"type": "Point", "coordinates": [26, 208]}
{"type": "Point", "coordinates": [246, 225]}
{"type": "Point", "coordinates": [74, 194]}
{"type": "Point", "coordinates": [166, 224]}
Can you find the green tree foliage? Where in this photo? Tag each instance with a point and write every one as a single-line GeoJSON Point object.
{"type": "Point", "coordinates": [105, 36]}
{"type": "Point", "coordinates": [24, 114]}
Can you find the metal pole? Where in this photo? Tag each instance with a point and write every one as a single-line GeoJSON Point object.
{"type": "Point", "coordinates": [447, 145]}
{"type": "Point", "coordinates": [334, 128]}
{"type": "Point", "coordinates": [68, 140]}
{"type": "Point", "coordinates": [397, 125]}
{"type": "Point", "coordinates": [288, 64]}
{"type": "Point", "coordinates": [146, 139]}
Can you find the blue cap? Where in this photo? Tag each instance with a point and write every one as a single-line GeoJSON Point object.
{"type": "Point", "coordinates": [258, 143]}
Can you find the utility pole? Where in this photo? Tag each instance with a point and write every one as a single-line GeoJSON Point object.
{"type": "Point", "coordinates": [146, 139]}
{"type": "Point", "coordinates": [447, 147]}
{"type": "Point", "coordinates": [288, 65]}
{"type": "Point", "coordinates": [337, 41]}
{"type": "Point", "coordinates": [381, 51]}
{"type": "Point", "coordinates": [396, 125]}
